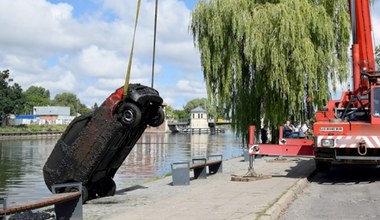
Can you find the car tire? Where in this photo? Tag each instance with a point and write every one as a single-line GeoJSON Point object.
{"type": "Point", "coordinates": [129, 115]}
{"type": "Point", "coordinates": [158, 118]}
{"type": "Point", "coordinates": [106, 188]}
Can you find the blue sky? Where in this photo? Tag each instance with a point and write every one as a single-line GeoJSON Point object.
{"type": "Point", "coordinates": [83, 47]}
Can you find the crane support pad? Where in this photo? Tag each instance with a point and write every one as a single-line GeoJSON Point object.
{"type": "Point", "coordinates": [247, 178]}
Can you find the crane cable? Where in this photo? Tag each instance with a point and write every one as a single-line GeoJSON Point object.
{"type": "Point", "coordinates": [128, 75]}
{"type": "Point", "coordinates": [154, 40]}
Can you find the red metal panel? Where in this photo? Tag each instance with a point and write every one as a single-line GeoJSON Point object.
{"type": "Point", "coordinates": [251, 135]}
{"type": "Point", "coordinates": [285, 150]}
{"type": "Point", "coordinates": [286, 147]}
{"type": "Point", "coordinates": [356, 68]}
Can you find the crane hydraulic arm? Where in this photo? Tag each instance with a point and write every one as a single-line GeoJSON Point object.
{"type": "Point", "coordinates": [362, 48]}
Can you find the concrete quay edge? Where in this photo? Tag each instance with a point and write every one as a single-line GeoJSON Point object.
{"type": "Point", "coordinates": [274, 210]}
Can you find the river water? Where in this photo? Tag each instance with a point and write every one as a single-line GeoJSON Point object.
{"type": "Point", "coordinates": [21, 161]}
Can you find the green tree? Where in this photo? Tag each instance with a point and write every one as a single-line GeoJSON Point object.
{"type": "Point", "coordinates": [378, 55]}
{"type": "Point", "coordinates": [181, 115]}
{"type": "Point", "coordinates": [262, 58]}
{"type": "Point", "coordinates": [194, 103]}
{"type": "Point", "coordinates": [17, 99]}
{"type": "Point", "coordinates": [212, 110]}
{"type": "Point", "coordinates": [170, 114]}
{"type": "Point", "coordinates": [12, 100]}
{"type": "Point", "coordinates": [36, 96]}
{"type": "Point", "coordinates": [83, 109]}
{"type": "Point", "coordinates": [68, 100]}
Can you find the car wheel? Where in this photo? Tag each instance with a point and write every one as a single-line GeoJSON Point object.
{"type": "Point", "coordinates": [106, 188]}
{"type": "Point", "coordinates": [129, 115]}
{"type": "Point", "coordinates": [158, 118]}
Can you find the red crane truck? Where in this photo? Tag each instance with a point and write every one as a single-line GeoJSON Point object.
{"type": "Point", "coordinates": [346, 130]}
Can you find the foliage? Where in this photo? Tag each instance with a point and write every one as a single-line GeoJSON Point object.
{"type": "Point", "coordinates": [32, 128]}
{"type": "Point", "coordinates": [194, 103]}
{"type": "Point", "coordinates": [12, 99]}
{"type": "Point", "coordinates": [262, 58]}
{"type": "Point", "coordinates": [378, 55]}
{"type": "Point", "coordinates": [212, 110]}
{"type": "Point", "coordinates": [36, 96]}
{"type": "Point", "coordinates": [169, 113]}
{"type": "Point", "coordinates": [70, 100]}
{"type": "Point", "coordinates": [180, 115]}
{"type": "Point", "coordinates": [175, 114]}
{"type": "Point", "coordinates": [83, 108]}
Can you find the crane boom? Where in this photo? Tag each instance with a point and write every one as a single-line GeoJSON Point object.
{"type": "Point", "coordinates": [362, 48]}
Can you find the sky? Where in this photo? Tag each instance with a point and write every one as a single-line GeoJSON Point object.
{"type": "Point", "coordinates": [83, 47]}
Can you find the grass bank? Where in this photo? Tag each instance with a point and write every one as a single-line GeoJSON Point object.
{"type": "Point", "coordinates": [32, 128]}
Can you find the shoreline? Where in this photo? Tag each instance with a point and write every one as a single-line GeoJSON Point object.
{"type": "Point", "coordinates": [27, 135]}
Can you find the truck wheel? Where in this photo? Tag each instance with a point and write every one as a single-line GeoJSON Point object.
{"type": "Point", "coordinates": [158, 118]}
{"type": "Point", "coordinates": [322, 166]}
{"type": "Point", "coordinates": [129, 115]}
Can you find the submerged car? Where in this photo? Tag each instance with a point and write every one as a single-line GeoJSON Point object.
{"type": "Point", "coordinates": [95, 145]}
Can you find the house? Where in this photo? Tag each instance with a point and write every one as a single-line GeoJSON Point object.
{"type": "Point", "coordinates": [51, 110]}
{"type": "Point", "coordinates": [198, 118]}
{"type": "Point", "coordinates": [44, 115]}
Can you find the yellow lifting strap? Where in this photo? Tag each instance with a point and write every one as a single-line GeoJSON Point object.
{"type": "Point", "coordinates": [128, 75]}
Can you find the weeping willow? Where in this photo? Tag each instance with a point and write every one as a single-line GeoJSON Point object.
{"type": "Point", "coordinates": [262, 58]}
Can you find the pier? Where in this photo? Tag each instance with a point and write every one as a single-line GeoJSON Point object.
{"type": "Point", "coordinates": [184, 127]}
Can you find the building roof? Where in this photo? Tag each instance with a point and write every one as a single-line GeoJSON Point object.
{"type": "Point", "coordinates": [51, 110]}
{"type": "Point", "coordinates": [198, 110]}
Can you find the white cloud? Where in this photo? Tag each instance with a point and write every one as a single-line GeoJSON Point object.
{"type": "Point", "coordinates": [35, 27]}
{"type": "Point", "coordinates": [65, 82]}
{"type": "Point", "coordinates": [186, 90]}
{"type": "Point", "coordinates": [45, 44]}
{"type": "Point", "coordinates": [96, 62]}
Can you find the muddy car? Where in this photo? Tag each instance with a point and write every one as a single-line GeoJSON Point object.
{"type": "Point", "coordinates": [95, 145]}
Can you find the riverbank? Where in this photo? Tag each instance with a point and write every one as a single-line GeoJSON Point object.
{"type": "Point", "coordinates": [29, 135]}
{"type": "Point", "coordinates": [31, 131]}
{"type": "Point", "coordinates": [216, 197]}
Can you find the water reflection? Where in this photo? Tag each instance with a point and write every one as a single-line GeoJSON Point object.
{"type": "Point", "coordinates": [199, 145]}
{"type": "Point", "coordinates": [21, 161]}
{"type": "Point", "coordinates": [21, 167]}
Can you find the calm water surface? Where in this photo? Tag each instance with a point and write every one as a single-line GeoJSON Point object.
{"type": "Point", "coordinates": [21, 161]}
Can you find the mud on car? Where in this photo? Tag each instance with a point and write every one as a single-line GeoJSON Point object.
{"type": "Point", "coordinates": [94, 145]}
